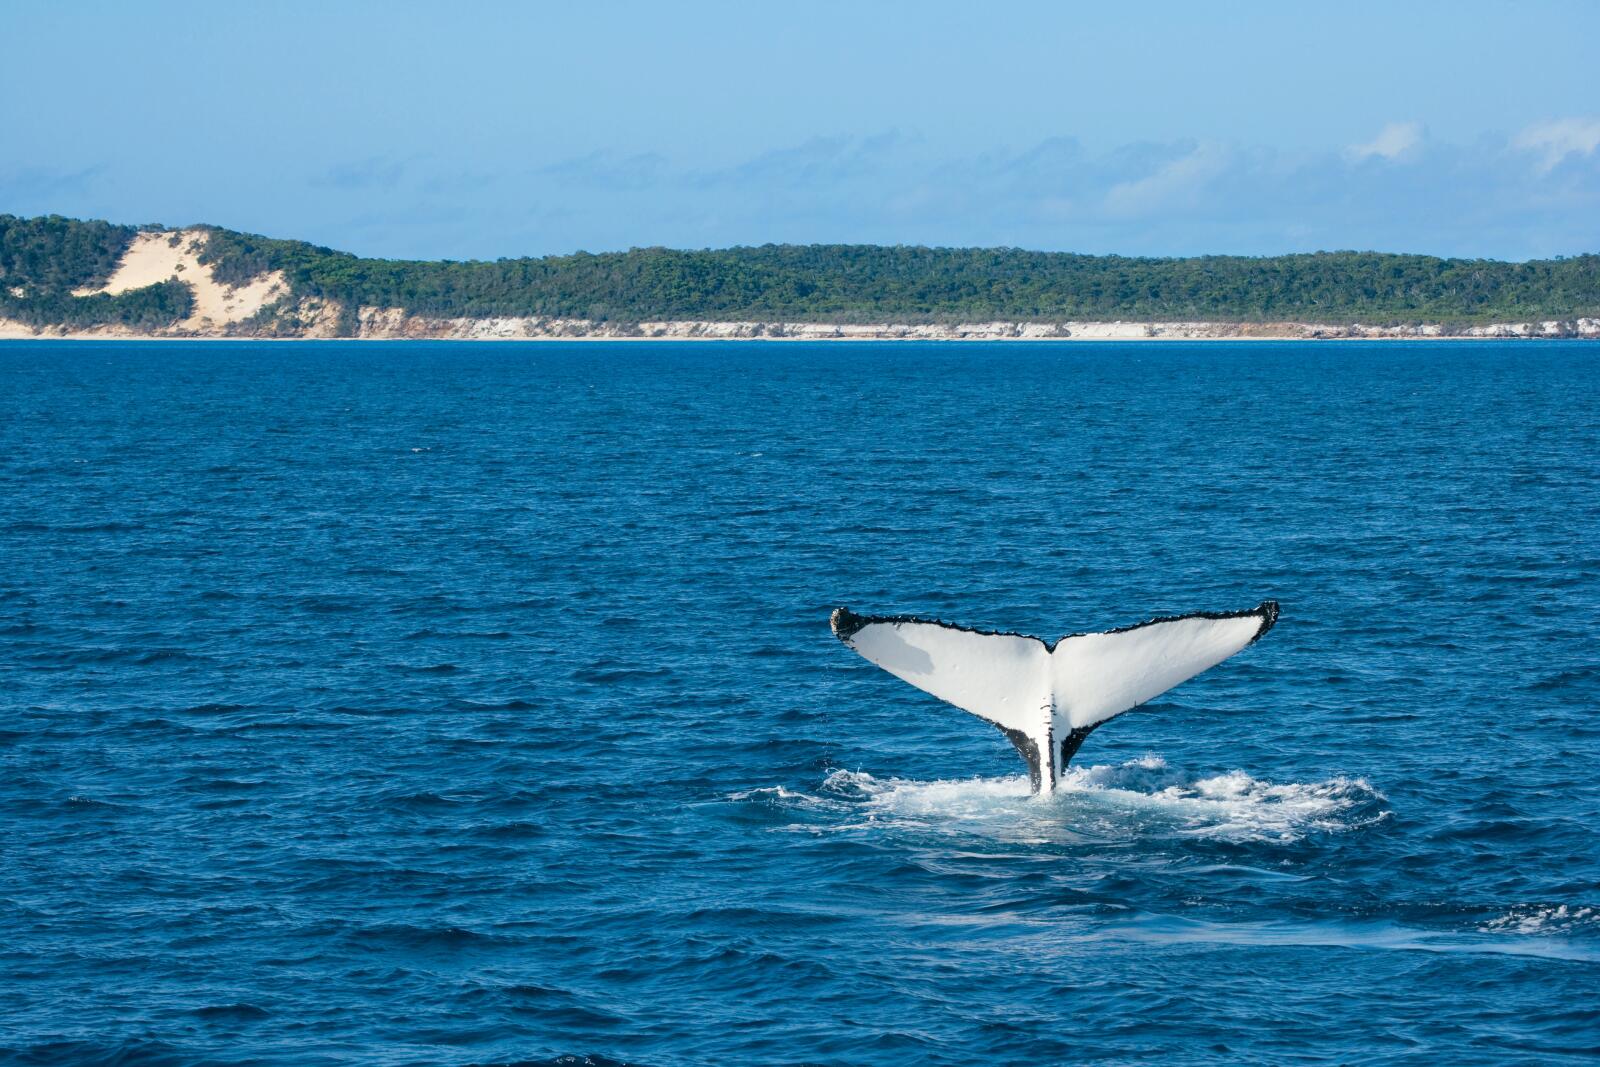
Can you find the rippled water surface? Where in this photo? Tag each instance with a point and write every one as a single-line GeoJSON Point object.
{"type": "Point", "coordinates": [468, 704]}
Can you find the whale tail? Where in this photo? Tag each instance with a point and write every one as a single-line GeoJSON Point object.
{"type": "Point", "coordinates": [1046, 698]}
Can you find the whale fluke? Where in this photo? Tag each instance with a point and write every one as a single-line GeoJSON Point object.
{"type": "Point", "coordinates": [1046, 697]}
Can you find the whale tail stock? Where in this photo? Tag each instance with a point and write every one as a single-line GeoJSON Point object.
{"type": "Point", "coordinates": [1046, 698]}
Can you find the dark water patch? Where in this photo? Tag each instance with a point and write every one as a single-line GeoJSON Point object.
{"type": "Point", "coordinates": [504, 705]}
{"type": "Point", "coordinates": [1584, 677]}
{"type": "Point", "coordinates": [132, 655]}
{"type": "Point", "coordinates": [327, 605]}
{"type": "Point", "coordinates": [425, 938]}
{"type": "Point", "coordinates": [775, 652]}
{"type": "Point", "coordinates": [216, 709]}
{"type": "Point", "coordinates": [553, 1006]}
{"type": "Point", "coordinates": [340, 710]}
{"type": "Point", "coordinates": [238, 1012]}
{"type": "Point", "coordinates": [131, 1053]}
{"type": "Point", "coordinates": [27, 527]}
{"type": "Point", "coordinates": [223, 785]}
{"type": "Point", "coordinates": [510, 831]}
{"type": "Point", "coordinates": [458, 635]}
{"type": "Point", "coordinates": [424, 800]}
{"type": "Point", "coordinates": [610, 676]}
{"type": "Point", "coordinates": [431, 668]}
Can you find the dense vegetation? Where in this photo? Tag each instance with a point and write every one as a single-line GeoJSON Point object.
{"type": "Point", "coordinates": [869, 283]}
{"type": "Point", "coordinates": [150, 308]}
{"type": "Point", "coordinates": [816, 283]}
{"type": "Point", "coordinates": [43, 260]}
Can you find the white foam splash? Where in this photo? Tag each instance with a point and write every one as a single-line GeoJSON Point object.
{"type": "Point", "coordinates": [779, 795]}
{"type": "Point", "coordinates": [1235, 805]}
{"type": "Point", "coordinates": [1545, 920]}
{"type": "Point", "coordinates": [1140, 798]}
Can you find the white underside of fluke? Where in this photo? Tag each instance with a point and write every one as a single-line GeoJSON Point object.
{"type": "Point", "coordinates": [1047, 698]}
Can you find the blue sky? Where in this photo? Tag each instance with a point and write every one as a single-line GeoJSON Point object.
{"type": "Point", "coordinates": [478, 130]}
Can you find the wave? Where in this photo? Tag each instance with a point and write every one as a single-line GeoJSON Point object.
{"type": "Point", "coordinates": [567, 1060]}
{"type": "Point", "coordinates": [25, 526]}
{"type": "Point", "coordinates": [108, 1053]}
{"type": "Point", "coordinates": [240, 1011]}
{"type": "Point", "coordinates": [1371, 935]}
{"type": "Point", "coordinates": [1568, 679]}
{"type": "Point", "coordinates": [1142, 798]}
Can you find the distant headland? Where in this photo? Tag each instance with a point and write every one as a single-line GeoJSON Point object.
{"type": "Point", "coordinates": [64, 277]}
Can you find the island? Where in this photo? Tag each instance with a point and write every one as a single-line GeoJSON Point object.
{"type": "Point", "coordinates": [70, 278]}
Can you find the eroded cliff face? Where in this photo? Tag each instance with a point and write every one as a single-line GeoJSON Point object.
{"type": "Point", "coordinates": [265, 307]}
{"type": "Point", "coordinates": [395, 323]}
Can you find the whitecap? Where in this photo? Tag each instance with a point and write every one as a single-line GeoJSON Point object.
{"type": "Point", "coordinates": [779, 796]}
{"type": "Point", "coordinates": [1546, 920]}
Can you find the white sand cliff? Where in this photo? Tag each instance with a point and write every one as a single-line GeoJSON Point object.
{"type": "Point", "coordinates": [263, 307]}
{"type": "Point", "coordinates": [396, 324]}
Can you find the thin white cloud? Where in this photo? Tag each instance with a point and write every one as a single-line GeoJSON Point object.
{"type": "Point", "coordinates": [1556, 139]}
{"type": "Point", "coordinates": [610, 170]}
{"type": "Point", "coordinates": [820, 159]}
{"type": "Point", "coordinates": [44, 182]}
{"type": "Point", "coordinates": [376, 172]}
{"type": "Point", "coordinates": [1392, 142]}
{"type": "Point", "coordinates": [1486, 197]}
{"type": "Point", "coordinates": [1174, 183]}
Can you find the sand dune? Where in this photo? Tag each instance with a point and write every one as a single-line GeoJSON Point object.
{"type": "Point", "coordinates": [157, 257]}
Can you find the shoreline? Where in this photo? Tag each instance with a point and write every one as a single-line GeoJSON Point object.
{"type": "Point", "coordinates": [394, 324]}
{"type": "Point", "coordinates": [151, 338]}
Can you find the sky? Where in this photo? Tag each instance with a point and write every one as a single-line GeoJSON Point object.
{"type": "Point", "coordinates": [479, 130]}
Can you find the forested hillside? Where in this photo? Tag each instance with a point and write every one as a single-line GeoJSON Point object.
{"type": "Point", "coordinates": [44, 259]}
{"type": "Point", "coordinates": [869, 283]}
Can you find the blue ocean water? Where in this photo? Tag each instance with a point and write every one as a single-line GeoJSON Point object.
{"type": "Point", "coordinates": [469, 704]}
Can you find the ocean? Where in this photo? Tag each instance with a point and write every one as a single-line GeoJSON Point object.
{"type": "Point", "coordinates": [431, 703]}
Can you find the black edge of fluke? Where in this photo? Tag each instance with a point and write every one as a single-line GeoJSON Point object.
{"type": "Point", "coordinates": [1268, 610]}
{"type": "Point", "coordinates": [846, 623]}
